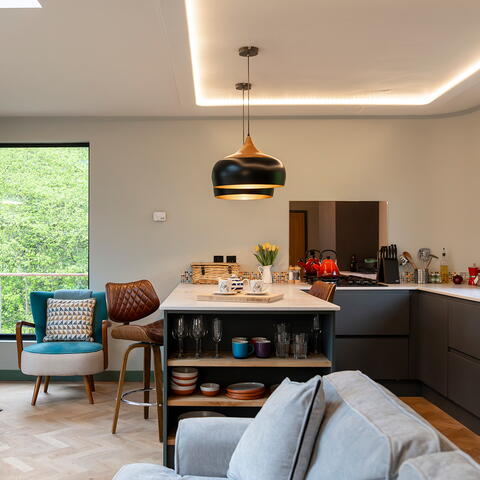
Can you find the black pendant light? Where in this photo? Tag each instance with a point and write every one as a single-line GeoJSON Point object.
{"type": "Point", "coordinates": [247, 174]}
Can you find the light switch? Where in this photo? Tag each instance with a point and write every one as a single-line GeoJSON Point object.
{"type": "Point", "coordinates": [159, 216]}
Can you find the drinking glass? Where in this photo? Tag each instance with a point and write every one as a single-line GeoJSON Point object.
{"type": "Point", "coordinates": [217, 334]}
{"type": "Point", "coordinates": [180, 331]}
{"type": "Point", "coordinates": [300, 346]}
{"type": "Point", "coordinates": [198, 332]}
{"type": "Point", "coordinates": [316, 333]}
{"type": "Point", "coordinates": [282, 344]}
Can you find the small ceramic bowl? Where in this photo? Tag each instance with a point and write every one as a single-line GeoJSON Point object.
{"type": "Point", "coordinates": [185, 372]}
{"type": "Point", "coordinates": [210, 389]}
{"type": "Point", "coordinates": [178, 390]}
{"type": "Point", "coordinates": [184, 382]}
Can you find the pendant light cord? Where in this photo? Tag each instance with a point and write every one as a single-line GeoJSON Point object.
{"type": "Point", "coordinates": [243, 116]}
{"type": "Point", "coordinates": [248, 95]}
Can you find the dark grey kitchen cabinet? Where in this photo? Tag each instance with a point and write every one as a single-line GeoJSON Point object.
{"type": "Point", "coordinates": [372, 332]}
{"type": "Point", "coordinates": [374, 312]}
{"type": "Point", "coordinates": [464, 381]}
{"type": "Point", "coordinates": [379, 358]}
{"type": "Point", "coordinates": [464, 326]}
{"type": "Point", "coordinates": [431, 340]}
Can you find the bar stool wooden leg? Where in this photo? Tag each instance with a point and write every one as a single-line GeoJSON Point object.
{"type": "Point", "coordinates": [147, 360]}
{"type": "Point", "coordinates": [157, 365]}
{"type": "Point", "coordinates": [36, 389]}
{"type": "Point", "coordinates": [86, 381]}
{"type": "Point", "coordinates": [121, 381]}
{"type": "Point", "coordinates": [45, 385]}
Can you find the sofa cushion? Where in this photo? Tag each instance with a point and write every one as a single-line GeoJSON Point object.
{"type": "Point", "coordinates": [440, 466]}
{"type": "Point", "coordinates": [149, 471]}
{"type": "Point", "coordinates": [365, 434]}
{"type": "Point", "coordinates": [278, 443]}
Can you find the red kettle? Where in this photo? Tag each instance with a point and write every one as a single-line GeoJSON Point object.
{"type": "Point", "coordinates": [328, 267]}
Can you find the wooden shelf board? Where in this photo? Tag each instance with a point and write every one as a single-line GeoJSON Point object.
{"type": "Point", "coordinates": [171, 437]}
{"type": "Point", "coordinates": [199, 400]}
{"type": "Point", "coordinates": [227, 360]}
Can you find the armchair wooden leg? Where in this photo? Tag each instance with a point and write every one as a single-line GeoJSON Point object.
{"type": "Point", "coordinates": [45, 385]}
{"type": "Point", "coordinates": [157, 365]}
{"type": "Point", "coordinates": [36, 389]}
{"type": "Point", "coordinates": [88, 389]}
{"type": "Point", "coordinates": [147, 359]}
{"type": "Point", "coordinates": [92, 383]}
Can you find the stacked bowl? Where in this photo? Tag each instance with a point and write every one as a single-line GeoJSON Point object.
{"type": "Point", "coordinates": [184, 380]}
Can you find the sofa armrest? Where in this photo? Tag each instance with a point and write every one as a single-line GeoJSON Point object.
{"type": "Point", "coordinates": [204, 446]}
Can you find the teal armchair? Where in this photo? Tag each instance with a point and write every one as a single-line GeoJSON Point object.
{"type": "Point", "coordinates": [46, 359]}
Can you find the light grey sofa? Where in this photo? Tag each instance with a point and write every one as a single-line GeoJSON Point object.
{"type": "Point", "coordinates": [367, 433]}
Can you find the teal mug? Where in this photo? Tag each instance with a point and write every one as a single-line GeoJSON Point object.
{"type": "Point", "coordinates": [242, 348]}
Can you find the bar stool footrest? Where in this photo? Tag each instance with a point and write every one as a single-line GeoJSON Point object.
{"type": "Point", "coordinates": [139, 404]}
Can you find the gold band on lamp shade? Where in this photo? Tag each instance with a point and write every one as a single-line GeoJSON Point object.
{"type": "Point", "coordinates": [248, 168]}
{"type": "Point", "coordinates": [235, 194]}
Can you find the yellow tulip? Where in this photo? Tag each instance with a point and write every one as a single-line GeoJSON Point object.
{"type": "Point", "coordinates": [257, 248]}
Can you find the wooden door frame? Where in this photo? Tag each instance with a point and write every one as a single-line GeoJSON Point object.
{"type": "Point", "coordinates": [305, 212]}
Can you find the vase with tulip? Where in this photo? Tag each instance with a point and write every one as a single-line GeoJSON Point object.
{"type": "Point", "coordinates": [266, 254]}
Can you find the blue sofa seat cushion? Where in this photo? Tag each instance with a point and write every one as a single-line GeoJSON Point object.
{"type": "Point", "coordinates": [52, 348]}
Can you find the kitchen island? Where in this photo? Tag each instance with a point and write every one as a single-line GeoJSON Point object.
{"type": "Point", "coordinates": [297, 307]}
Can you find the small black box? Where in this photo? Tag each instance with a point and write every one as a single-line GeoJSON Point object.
{"type": "Point", "coordinates": [218, 259]}
{"type": "Point", "coordinates": [231, 259]}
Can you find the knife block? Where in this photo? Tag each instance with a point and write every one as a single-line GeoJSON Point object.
{"type": "Point", "coordinates": [388, 271]}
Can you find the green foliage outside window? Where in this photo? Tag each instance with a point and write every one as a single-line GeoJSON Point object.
{"type": "Point", "coordinates": [43, 224]}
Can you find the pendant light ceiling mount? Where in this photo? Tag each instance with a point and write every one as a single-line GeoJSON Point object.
{"type": "Point", "coordinates": [247, 174]}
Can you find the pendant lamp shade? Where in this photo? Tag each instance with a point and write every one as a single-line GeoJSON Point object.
{"type": "Point", "coordinates": [248, 169]}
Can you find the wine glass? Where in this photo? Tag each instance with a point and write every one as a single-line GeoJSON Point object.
{"type": "Point", "coordinates": [217, 334]}
{"type": "Point", "coordinates": [316, 333]}
{"type": "Point", "coordinates": [198, 332]}
{"type": "Point", "coordinates": [180, 331]}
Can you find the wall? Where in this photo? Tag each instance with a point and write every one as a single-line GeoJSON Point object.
{"type": "Point", "coordinates": [427, 169]}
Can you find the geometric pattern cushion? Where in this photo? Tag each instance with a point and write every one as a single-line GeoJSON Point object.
{"type": "Point", "coordinates": [70, 320]}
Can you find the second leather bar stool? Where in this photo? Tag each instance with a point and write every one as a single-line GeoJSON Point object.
{"type": "Point", "coordinates": [129, 302]}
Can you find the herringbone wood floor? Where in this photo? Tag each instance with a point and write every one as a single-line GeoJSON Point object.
{"type": "Point", "coordinates": [64, 437]}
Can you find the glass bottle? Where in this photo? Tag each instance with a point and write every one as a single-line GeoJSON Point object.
{"type": "Point", "coordinates": [444, 267]}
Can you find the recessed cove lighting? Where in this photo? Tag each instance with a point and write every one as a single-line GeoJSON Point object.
{"type": "Point", "coordinates": [20, 4]}
{"type": "Point", "coordinates": [383, 96]}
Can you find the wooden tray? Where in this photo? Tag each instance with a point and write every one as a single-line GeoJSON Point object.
{"type": "Point", "coordinates": [241, 297]}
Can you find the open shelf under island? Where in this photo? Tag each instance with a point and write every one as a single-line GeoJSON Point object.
{"type": "Point", "coordinates": [240, 319]}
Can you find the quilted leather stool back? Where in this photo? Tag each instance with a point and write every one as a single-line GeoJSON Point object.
{"type": "Point", "coordinates": [128, 302]}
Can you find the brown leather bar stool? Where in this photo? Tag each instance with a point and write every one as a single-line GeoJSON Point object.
{"type": "Point", "coordinates": [323, 290]}
{"type": "Point", "coordinates": [129, 302]}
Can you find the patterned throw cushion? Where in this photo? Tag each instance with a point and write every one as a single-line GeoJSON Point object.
{"type": "Point", "coordinates": [69, 320]}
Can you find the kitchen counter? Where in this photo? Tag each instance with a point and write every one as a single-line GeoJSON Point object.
{"type": "Point", "coordinates": [184, 297]}
{"type": "Point", "coordinates": [465, 292]}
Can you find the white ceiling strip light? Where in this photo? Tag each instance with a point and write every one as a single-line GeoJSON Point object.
{"type": "Point", "coordinates": [201, 99]}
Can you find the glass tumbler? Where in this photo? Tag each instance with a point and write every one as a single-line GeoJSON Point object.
{"type": "Point", "coordinates": [282, 345]}
{"type": "Point", "coordinates": [300, 346]}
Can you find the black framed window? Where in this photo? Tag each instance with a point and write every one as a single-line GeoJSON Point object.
{"type": "Point", "coordinates": [44, 224]}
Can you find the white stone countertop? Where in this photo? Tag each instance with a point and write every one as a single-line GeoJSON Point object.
{"type": "Point", "coordinates": [184, 297]}
{"type": "Point", "coordinates": [464, 291]}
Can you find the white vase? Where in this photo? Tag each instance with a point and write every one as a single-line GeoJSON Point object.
{"type": "Point", "coordinates": [266, 271]}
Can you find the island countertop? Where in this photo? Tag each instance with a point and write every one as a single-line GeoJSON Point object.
{"type": "Point", "coordinates": [184, 298]}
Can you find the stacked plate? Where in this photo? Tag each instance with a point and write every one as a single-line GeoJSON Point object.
{"type": "Point", "coordinates": [184, 380]}
{"type": "Point", "coordinates": [246, 390]}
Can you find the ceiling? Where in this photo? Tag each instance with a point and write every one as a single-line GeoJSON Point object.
{"type": "Point", "coordinates": [317, 57]}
